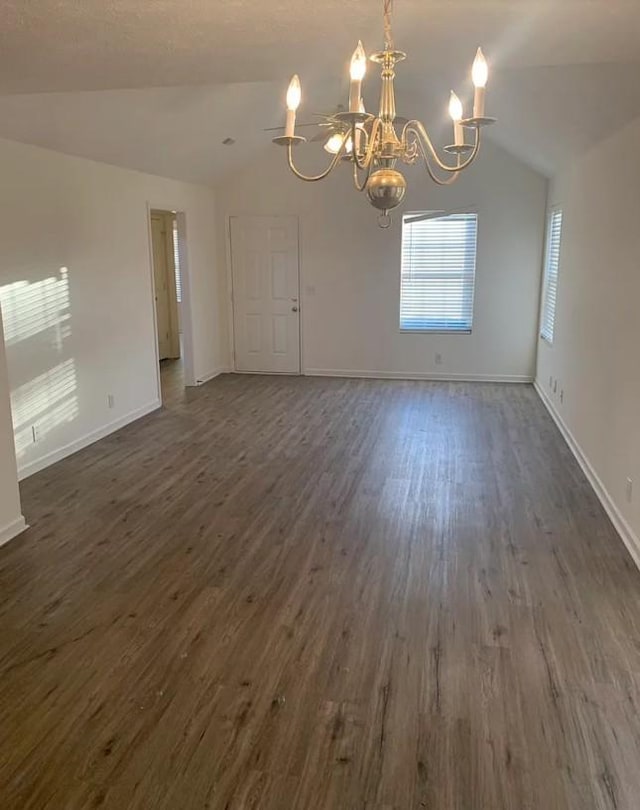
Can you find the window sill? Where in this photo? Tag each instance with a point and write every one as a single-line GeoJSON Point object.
{"type": "Point", "coordinates": [435, 331]}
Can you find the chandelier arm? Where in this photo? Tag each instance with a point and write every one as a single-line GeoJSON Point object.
{"type": "Point", "coordinates": [322, 175]}
{"type": "Point", "coordinates": [356, 179]}
{"type": "Point", "coordinates": [448, 181]}
{"type": "Point", "coordinates": [371, 145]}
{"type": "Point", "coordinates": [417, 128]}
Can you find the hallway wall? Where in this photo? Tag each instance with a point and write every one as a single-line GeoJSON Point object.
{"type": "Point", "coordinates": [76, 292]}
{"type": "Point", "coordinates": [11, 520]}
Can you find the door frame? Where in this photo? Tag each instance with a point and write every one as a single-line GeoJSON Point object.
{"type": "Point", "coordinates": [230, 308]}
{"type": "Point", "coordinates": [185, 279]}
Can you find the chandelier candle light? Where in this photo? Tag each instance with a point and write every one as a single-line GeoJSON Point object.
{"type": "Point", "coordinates": [371, 143]}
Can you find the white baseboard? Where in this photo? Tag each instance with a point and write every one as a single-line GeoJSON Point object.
{"type": "Point", "coordinates": [628, 536]}
{"type": "Point", "coordinates": [12, 529]}
{"type": "Point", "coordinates": [408, 375]}
{"type": "Point", "coordinates": [25, 470]}
{"type": "Point", "coordinates": [215, 373]}
{"type": "Point", "coordinates": [267, 373]}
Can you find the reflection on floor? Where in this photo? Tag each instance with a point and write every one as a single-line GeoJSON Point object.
{"type": "Point", "coordinates": [172, 382]}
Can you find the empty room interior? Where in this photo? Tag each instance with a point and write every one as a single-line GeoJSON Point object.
{"type": "Point", "coordinates": [320, 405]}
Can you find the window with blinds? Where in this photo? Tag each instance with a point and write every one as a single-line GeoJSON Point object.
{"type": "Point", "coordinates": [551, 267]}
{"type": "Point", "coordinates": [176, 261]}
{"type": "Point", "coordinates": [438, 272]}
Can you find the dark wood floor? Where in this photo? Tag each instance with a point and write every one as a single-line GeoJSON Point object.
{"type": "Point", "coordinates": [310, 593]}
{"type": "Point", "coordinates": [172, 382]}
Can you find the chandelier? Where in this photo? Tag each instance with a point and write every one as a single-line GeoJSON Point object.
{"type": "Point", "coordinates": [375, 144]}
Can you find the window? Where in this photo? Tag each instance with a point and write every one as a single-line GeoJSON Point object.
{"type": "Point", "coordinates": [176, 261]}
{"type": "Point", "coordinates": [551, 267]}
{"type": "Point", "coordinates": [438, 272]}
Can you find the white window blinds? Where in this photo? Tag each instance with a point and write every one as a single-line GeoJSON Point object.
{"type": "Point", "coordinates": [438, 272]}
{"type": "Point", "coordinates": [176, 262]}
{"type": "Point", "coordinates": [551, 267]}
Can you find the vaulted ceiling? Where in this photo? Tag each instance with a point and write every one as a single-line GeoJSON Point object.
{"type": "Point", "coordinates": [158, 86]}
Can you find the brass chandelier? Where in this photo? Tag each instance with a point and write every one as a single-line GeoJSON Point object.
{"type": "Point", "coordinates": [371, 143]}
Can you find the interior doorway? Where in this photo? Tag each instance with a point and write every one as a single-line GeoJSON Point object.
{"type": "Point", "coordinates": [167, 282]}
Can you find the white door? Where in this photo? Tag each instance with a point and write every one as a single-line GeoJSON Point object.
{"type": "Point", "coordinates": [266, 309]}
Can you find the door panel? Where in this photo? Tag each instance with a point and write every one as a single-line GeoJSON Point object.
{"type": "Point", "coordinates": [253, 333]}
{"type": "Point", "coordinates": [264, 260]}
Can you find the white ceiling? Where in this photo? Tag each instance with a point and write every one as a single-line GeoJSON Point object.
{"type": "Point", "coordinates": [157, 86]}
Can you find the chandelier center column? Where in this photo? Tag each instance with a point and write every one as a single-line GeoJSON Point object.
{"type": "Point", "coordinates": [387, 93]}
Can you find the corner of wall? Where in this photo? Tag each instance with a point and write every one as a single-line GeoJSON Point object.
{"type": "Point", "coordinates": [12, 529]}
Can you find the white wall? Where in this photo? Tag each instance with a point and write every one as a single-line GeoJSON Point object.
{"type": "Point", "coordinates": [350, 269]}
{"type": "Point", "coordinates": [11, 520]}
{"type": "Point", "coordinates": [596, 350]}
{"type": "Point", "coordinates": [75, 272]}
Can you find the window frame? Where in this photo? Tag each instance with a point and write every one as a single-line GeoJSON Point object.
{"type": "Point", "coordinates": [552, 211]}
{"type": "Point", "coordinates": [439, 331]}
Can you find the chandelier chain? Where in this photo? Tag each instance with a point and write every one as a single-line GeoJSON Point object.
{"type": "Point", "coordinates": [388, 35]}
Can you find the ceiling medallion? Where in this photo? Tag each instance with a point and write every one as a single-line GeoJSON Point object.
{"type": "Point", "coordinates": [371, 143]}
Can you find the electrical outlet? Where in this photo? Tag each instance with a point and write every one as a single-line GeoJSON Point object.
{"type": "Point", "coordinates": [555, 386]}
{"type": "Point", "coordinates": [438, 359]}
{"type": "Point", "coordinates": [629, 490]}
{"type": "Point", "coordinates": [562, 395]}
{"type": "Point", "coordinates": [111, 401]}
{"type": "Point", "coordinates": [34, 433]}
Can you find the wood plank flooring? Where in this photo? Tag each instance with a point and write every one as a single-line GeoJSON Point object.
{"type": "Point", "coordinates": [172, 382]}
{"type": "Point", "coordinates": [314, 593]}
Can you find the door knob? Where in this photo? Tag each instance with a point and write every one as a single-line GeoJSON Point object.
{"type": "Point", "coordinates": [294, 309]}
